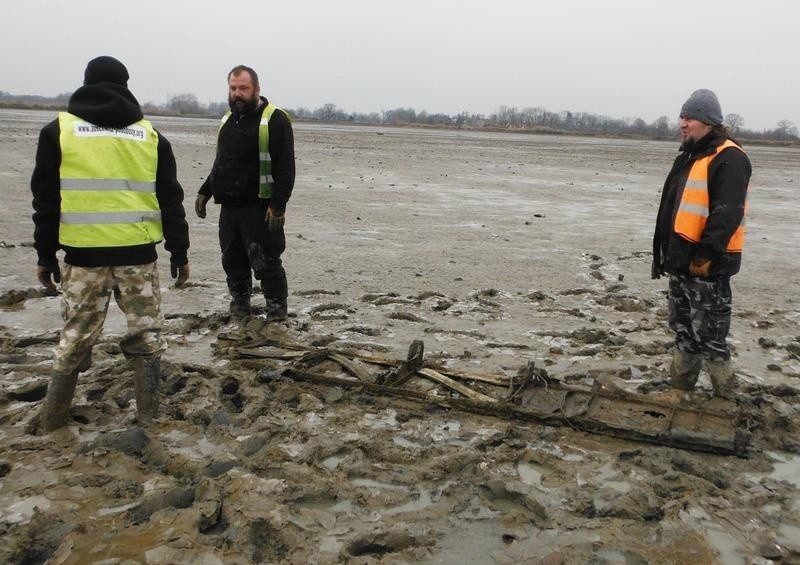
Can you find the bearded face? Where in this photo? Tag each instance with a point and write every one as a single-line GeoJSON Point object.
{"type": "Point", "coordinates": [243, 96]}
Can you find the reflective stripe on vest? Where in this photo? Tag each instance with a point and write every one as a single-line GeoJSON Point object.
{"type": "Point", "coordinates": [108, 184]}
{"type": "Point", "coordinates": [265, 179]}
{"type": "Point", "coordinates": [690, 220]}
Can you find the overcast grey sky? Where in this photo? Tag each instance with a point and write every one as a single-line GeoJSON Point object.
{"type": "Point", "coordinates": [620, 58]}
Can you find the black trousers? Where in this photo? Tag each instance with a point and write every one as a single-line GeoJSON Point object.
{"type": "Point", "coordinates": [249, 249]}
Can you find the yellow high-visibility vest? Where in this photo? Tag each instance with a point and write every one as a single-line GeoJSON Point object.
{"type": "Point", "coordinates": [265, 181]}
{"type": "Point", "coordinates": [690, 221]}
{"type": "Point", "coordinates": [108, 184]}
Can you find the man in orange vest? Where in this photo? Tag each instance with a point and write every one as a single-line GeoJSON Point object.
{"type": "Point", "coordinates": [698, 242]}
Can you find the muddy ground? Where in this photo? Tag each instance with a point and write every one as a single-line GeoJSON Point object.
{"type": "Point", "coordinates": [494, 249]}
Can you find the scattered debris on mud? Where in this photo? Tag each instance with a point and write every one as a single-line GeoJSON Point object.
{"type": "Point", "coordinates": [251, 462]}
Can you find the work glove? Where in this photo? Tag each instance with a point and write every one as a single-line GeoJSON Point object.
{"type": "Point", "coordinates": [47, 272]}
{"type": "Point", "coordinates": [180, 273]}
{"type": "Point", "coordinates": [200, 205]}
{"type": "Point", "coordinates": [274, 222]}
{"type": "Point", "coordinates": [700, 267]}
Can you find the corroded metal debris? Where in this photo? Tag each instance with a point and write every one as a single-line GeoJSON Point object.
{"type": "Point", "coordinates": [605, 408]}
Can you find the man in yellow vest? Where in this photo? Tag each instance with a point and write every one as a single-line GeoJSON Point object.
{"type": "Point", "coordinates": [252, 179]}
{"type": "Point", "coordinates": [698, 242]}
{"type": "Point", "coordinates": [105, 191]}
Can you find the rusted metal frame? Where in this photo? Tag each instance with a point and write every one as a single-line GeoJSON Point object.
{"type": "Point", "coordinates": [407, 368]}
{"type": "Point", "coordinates": [251, 350]}
{"type": "Point", "coordinates": [454, 385]}
{"type": "Point", "coordinates": [323, 354]}
{"type": "Point", "coordinates": [737, 446]}
{"type": "Point", "coordinates": [348, 364]}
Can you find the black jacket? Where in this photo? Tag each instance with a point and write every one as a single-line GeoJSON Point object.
{"type": "Point", "coordinates": [234, 177]}
{"type": "Point", "coordinates": [728, 179]}
{"type": "Point", "coordinates": [108, 105]}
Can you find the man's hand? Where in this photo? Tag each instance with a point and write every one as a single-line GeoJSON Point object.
{"type": "Point", "coordinates": [200, 205]}
{"type": "Point", "coordinates": [180, 273]}
{"type": "Point", "coordinates": [44, 275]}
{"type": "Point", "coordinates": [700, 267]}
{"type": "Point", "coordinates": [274, 221]}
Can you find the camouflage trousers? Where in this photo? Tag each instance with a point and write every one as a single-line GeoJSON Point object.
{"type": "Point", "coordinates": [700, 315]}
{"type": "Point", "coordinates": [86, 293]}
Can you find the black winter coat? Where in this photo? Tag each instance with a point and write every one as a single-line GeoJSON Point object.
{"type": "Point", "coordinates": [728, 179]}
{"type": "Point", "coordinates": [234, 177]}
{"type": "Point", "coordinates": [107, 105]}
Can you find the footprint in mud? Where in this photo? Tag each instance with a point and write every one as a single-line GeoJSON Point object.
{"type": "Point", "coordinates": [29, 392]}
{"type": "Point", "coordinates": [380, 543]}
{"type": "Point", "coordinates": [267, 542]}
{"type": "Point", "coordinates": [175, 384]}
{"type": "Point", "coordinates": [231, 395]}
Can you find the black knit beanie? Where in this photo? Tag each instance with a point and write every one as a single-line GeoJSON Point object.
{"type": "Point", "coordinates": [105, 69]}
{"type": "Point", "coordinates": [703, 105]}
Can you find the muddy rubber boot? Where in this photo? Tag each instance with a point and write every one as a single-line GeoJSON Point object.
{"type": "Point", "coordinates": [684, 370]}
{"type": "Point", "coordinates": [723, 379]}
{"type": "Point", "coordinates": [277, 309]}
{"type": "Point", "coordinates": [240, 306]}
{"type": "Point", "coordinates": [55, 410]}
{"type": "Point", "coordinates": [147, 379]}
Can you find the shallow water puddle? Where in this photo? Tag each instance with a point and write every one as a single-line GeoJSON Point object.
{"type": "Point", "coordinates": [327, 504]}
{"type": "Point", "coordinates": [22, 510]}
{"type": "Point", "coordinates": [786, 468]}
{"type": "Point", "coordinates": [444, 431]}
{"type": "Point", "coordinates": [201, 351]}
{"type": "Point", "coordinates": [422, 501]}
{"type": "Point", "coordinates": [605, 476]}
{"type": "Point", "coordinates": [370, 483]}
{"type": "Point", "coordinates": [530, 474]}
{"type": "Point", "coordinates": [610, 477]}
{"type": "Point", "coordinates": [729, 549]}
{"type": "Point", "coordinates": [192, 447]}
{"type": "Point", "coordinates": [332, 462]}
{"type": "Point", "coordinates": [292, 449]}
{"type": "Point", "coordinates": [385, 420]}
{"type": "Point", "coordinates": [557, 451]}
{"type": "Point", "coordinates": [788, 533]}
{"type": "Point", "coordinates": [403, 442]}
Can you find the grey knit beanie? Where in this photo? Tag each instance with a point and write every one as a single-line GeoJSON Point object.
{"type": "Point", "coordinates": [703, 105]}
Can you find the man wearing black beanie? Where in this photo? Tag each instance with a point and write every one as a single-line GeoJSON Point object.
{"type": "Point", "coordinates": [105, 191]}
{"type": "Point", "coordinates": [698, 242]}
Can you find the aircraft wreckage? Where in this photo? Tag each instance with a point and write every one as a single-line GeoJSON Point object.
{"type": "Point", "coordinates": [529, 396]}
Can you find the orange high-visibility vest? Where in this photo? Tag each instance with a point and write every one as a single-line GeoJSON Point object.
{"type": "Point", "coordinates": [690, 221]}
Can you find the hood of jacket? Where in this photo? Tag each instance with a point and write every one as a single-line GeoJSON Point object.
{"type": "Point", "coordinates": [105, 104]}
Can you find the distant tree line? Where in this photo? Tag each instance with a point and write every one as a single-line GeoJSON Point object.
{"type": "Point", "coordinates": [540, 120]}
{"type": "Point", "coordinates": [530, 119]}
{"type": "Point", "coordinates": [32, 101]}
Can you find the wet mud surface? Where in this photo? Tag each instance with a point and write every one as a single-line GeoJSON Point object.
{"type": "Point", "coordinates": [495, 251]}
